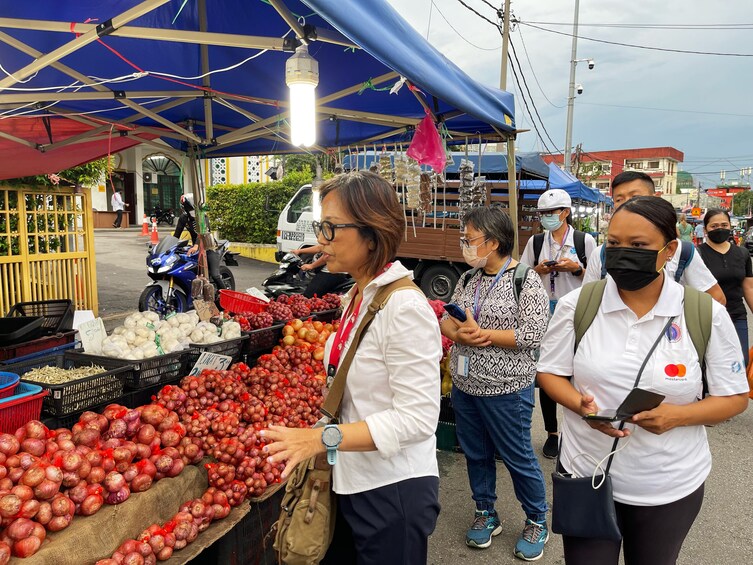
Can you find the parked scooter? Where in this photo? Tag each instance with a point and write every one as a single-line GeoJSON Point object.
{"type": "Point", "coordinates": [172, 270]}
{"type": "Point", "coordinates": [289, 278]}
{"type": "Point", "coordinates": [163, 216]}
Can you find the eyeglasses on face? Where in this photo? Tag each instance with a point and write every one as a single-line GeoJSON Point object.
{"type": "Point", "coordinates": [465, 243]}
{"type": "Point", "coordinates": [327, 229]}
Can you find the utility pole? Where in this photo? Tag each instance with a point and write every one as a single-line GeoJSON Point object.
{"type": "Point", "coordinates": [512, 188]}
{"type": "Point", "coordinates": [571, 92]}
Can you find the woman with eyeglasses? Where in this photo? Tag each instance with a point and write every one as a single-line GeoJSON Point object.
{"type": "Point", "coordinates": [385, 473]}
{"type": "Point", "coordinates": [731, 267]}
{"type": "Point", "coordinates": [493, 368]}
{"type": "Point", "coordinates": [658, 472]}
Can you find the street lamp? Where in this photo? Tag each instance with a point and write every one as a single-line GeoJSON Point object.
{"type": "Point", "coordinates": [571, 93]}
{"type": "Point", "coordinates": [302, 76]}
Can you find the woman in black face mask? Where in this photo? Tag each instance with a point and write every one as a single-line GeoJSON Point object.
{"type": "Point", "coordinates": [638, 337]}
{"type": "Point", "coordinates": [732, 268]}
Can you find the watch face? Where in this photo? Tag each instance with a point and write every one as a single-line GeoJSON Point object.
{"type": "Point", "coordinates": [331, 437]}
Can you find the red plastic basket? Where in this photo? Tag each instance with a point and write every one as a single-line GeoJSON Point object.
{"type": "Point", "coordinates": [240, 302]}
{"type": "Point", "coordinates": [15, 412]}
{"type": "Point", "coordinates": [8, 384]}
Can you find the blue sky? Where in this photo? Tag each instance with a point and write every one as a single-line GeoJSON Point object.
{"type": "Point", "coordinates": [699, 104]}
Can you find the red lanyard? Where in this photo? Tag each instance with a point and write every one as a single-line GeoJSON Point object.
{"type": "Point", "coordinates": [346, 326]}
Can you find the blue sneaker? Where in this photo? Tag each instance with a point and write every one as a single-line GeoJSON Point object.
{"type": "Point", "coordinates": [485, 525]}
{"type": "Point", "coordinates": [530, 546]}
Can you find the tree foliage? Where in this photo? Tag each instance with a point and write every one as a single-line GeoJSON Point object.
{"type": "Point", "coordinates": [87, 174]}
{"type": "Point", "coordinates": [742, 203]}
{"type": "Point", "coordinates": [249, 212]}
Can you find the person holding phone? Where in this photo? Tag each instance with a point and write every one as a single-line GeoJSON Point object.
{"type": "Point", "coordinates": [559, 256]}
{"type": "Point", "coordinates": [658, 474]}
{"type": "Point", "coordinates": [492, 368]}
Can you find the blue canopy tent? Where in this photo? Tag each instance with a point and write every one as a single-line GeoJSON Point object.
{"type": "Point", "coordinates": [208, 78]}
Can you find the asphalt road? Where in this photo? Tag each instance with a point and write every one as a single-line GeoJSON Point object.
{"type": "Point", "coordinates": [721, 535]}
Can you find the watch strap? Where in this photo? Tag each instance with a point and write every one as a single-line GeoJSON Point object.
{"type": "Point", "coordinates": [331, 455]}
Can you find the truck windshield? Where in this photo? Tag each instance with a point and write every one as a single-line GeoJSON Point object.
{"type": "Point", "coordinates": [302, 202]}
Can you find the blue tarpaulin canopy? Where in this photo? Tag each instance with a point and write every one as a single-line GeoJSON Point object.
{"type": "Point", "coordinates": [564, 180]}
{"type": "Point", "coordinates": [211, 75]}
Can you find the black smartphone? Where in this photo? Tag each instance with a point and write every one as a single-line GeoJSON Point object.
{"type": "Point", "coordinates": [550, 263]}
{"type": "Point", "coordinates": [455, 311]}
{"type": "Point", "coordinates": [639, 400]}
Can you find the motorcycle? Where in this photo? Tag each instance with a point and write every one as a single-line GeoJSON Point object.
{"type": "Point", "coordinates": [163, 216]}
{"type": "Point", "coordinates": [172, 271]}
{"type": "Point", "coordinates": [289, 278]}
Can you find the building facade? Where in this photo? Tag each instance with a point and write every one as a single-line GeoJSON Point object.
{"type": "Point", "coordinates": [598, 168]}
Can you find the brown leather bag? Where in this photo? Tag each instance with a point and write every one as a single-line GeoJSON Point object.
{"type": "Point", "coordinates": [306, 525]}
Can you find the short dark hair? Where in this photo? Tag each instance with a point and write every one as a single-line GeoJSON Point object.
{"type": "Point", "coordinates": [374, 207]}
{"type": "Point", "coordinates": [630, 176]}
{"type": "Point", "coordinates": [714, 212]}
{"type": "Point", "coordinates": [656, 210]}
{"type": "Point", "coordinates": [495, 224]}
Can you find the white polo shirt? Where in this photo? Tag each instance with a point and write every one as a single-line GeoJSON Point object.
{"type": "Point", "coordinates": [696, 273]}
{"type": "Point", "coordinates": [651, 469]}
{"type": "Point", "coordinates": [552, 251]}
{"type": "Point", "coordinates": [394, 385]}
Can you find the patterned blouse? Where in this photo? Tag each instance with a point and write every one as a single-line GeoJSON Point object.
{"type": "Point", "coordinates": [497, 370]}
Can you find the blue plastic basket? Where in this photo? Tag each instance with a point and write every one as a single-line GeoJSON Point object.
{"type": "Point", "coordinates": [8, 383]}
{"type": "Point", "coordinates": [23, 390]}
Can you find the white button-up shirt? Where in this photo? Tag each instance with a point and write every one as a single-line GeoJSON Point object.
{"type": "Point", "coordinates": [696, 273]}
{"type": "Point", "coordinates": [651, 469]}
{"type": "Point", "coordinates": [394, 385]}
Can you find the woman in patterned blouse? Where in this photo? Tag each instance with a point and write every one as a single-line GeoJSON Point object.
{"type": "Point", "coordinates": [493, 370]}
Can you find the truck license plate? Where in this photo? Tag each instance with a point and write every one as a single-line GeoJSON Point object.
{"type": "Point", "coordinates": [292, 235]}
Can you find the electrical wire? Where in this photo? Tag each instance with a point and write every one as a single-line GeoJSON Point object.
{"type": "Point", "coordinates": [460, 34]}
{"type": "Point", "coordinates": [636, 46]}
{"type": "Point", "coordinates": [525, 103]}
{"type": "Point", "coordinates": [720, 27]}
{"type": "Point", "coordinates": [669, 110]}
{"type": "Point", "coordinates": [525, 50]}
{"type": "Point", "coordinates": [479, 14]}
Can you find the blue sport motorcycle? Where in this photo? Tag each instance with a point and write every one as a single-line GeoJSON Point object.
{"type": "Point", "coordinates": [172, 271]}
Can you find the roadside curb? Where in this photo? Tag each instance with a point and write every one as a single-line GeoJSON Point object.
{"type": "Point", "coordinates": [258, 251]}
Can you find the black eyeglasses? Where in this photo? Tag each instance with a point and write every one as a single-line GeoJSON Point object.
{"type": "Point", "coordinates": [327, 229]}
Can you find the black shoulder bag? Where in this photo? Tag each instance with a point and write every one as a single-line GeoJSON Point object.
{"type": "Point", "coordinates": [578, 508]}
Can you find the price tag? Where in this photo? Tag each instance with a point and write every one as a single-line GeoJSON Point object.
{"type": "Point", "coordinates": [213, 361]}
{"type": "Point", "coordinates": [92, 332]}
{"type": "Point", "coordinates": [205, 310]}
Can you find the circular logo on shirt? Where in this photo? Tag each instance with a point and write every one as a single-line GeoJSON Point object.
{"type": "Point", "coordinates": [736, 367]}
{"type": "Point", "coordinates": [675, 371]}
{"type": "Point", "coordinates": [674, 333]}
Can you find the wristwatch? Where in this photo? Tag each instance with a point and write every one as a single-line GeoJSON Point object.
{"type": "Point", "coordinates": [332, 437]}
{"type": "Point", "coordinates": [579, 272]}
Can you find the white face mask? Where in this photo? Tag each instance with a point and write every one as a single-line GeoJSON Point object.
{"type": "Point", "coordinates": [470, 254]}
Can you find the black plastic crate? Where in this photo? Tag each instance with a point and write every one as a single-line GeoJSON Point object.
{"type": "Point", "coordinates": [57, 314]}
{"type": "Point", "coordinates": [261, 341]}
{"type": "Point", "coordinates": [20, 329]}
{"type": "Point", "coordinates": [146, 372]}
{"type": "Point", "coordinates": [327, 316]}
{"type": "Point", "coordinates": [230, 347]}
{"type": "Point", "coordinates": [68, 421]}
{"type": "Point", "coordinates": [36, 347]}
{"type": "Point", "coordinates": [79, 395]}
{"type": "Point", "coordinates": [144, 396]}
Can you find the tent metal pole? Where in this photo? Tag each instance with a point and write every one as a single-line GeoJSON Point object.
{"type": "Point", "coordinates": [290, 19]}
{"type": "Point", "coordinates": [512, 191]}
{"type": "Point", "coordinates": [79, 42]}
{"type": "Point", "coordinates": [15, 139]}
{"type": "Point", "coordinates": [157, 34]}
{"type": "Point", "coordinates": [209, 128]}
{"type": "Point", "coordinates": [355, 88]}
{"type": "Point", "coordinates": [245, 113]}
{"type": "Point", "coordinates": [105, 94]}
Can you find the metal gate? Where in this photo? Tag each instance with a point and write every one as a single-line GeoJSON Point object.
{"type": "Point", "coordinates": [47, 247]}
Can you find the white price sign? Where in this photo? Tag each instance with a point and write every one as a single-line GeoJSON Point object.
{"type": "Point", "coordinates": [213, 361]}
{"type": "Point", "coordinates": [92, 332]}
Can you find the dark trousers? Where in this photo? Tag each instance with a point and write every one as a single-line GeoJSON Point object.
{"type": "Point", "coordinates": [741, 327]}
{"type": "Point", "coordinates": [389, 525]}
{"type": "Point", "coordinates": [118, 219]}
{"type": "Point", "coordinates": [548, 411]}
{"type": "Point", "coordinates": [651, 535]}
{"type": "Point", "coordinates": [322, 283]}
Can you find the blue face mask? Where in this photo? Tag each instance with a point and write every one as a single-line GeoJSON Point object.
{"type": "Point", "coordinates": [551, 222]}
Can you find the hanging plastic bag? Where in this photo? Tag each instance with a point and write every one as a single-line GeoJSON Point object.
{"type": "Point", "coordinates": [427, 147]}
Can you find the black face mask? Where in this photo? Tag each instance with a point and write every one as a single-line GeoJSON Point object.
{"type": "Point", "coordinates": [720, 235]}
{"type": "Point", "coordinates": [631, 268]}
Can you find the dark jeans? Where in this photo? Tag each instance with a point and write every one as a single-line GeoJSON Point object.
{"type": "Point", "coordinates": [322, 283]}
{"type": "Point", "coordinates": [486, 423]}
{"type": "Point", "coordinates": [741, 326]}
{"type": "Point", "coordinates": [548, 411]}
{"type": "Point", "coordinates": [652, 535]}
{"type": "Point", "coordinates": [118, 219]}
{"type": "Point", "coordinates": [187, 222]}
{"type": "Point", "coordinates": [387, 525]}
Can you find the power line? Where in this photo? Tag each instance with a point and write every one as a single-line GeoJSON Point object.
{"type": "Point", "coordinates": [525, 50]}
{"type": "Point", "coordinates": [460, 34]}
{"type": "Point", "coordinates": [669, 110]}
{"type": "Point", "coordinates": [635, 46]}
{"type": "Point", "coordinates": [696, 27]}
{"type": "Point", "coordinates": [479, 14]}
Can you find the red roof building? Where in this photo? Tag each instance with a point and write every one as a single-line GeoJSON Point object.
{"type": "Point", "coordinates": [598, 168]}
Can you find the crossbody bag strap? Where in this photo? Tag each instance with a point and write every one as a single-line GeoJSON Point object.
{"type": "Point", "coordinates": [331, 405]}
{"type": "Point", "coordinates": [637, 380]}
